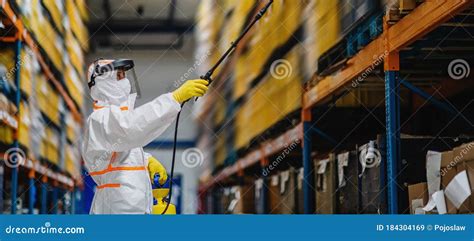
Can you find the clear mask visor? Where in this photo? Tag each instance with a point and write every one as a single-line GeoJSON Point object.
{"type": "Point", "coordinates": [124, 69]}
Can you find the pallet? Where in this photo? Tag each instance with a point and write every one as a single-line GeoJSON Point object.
{"type": "Point", "coordinates": [352, 42]}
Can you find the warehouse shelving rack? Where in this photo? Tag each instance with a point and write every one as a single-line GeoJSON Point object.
{"type": "Point", "coordinates": [34, 168]}
{"type": "Point", "coordinates": [422, 20]}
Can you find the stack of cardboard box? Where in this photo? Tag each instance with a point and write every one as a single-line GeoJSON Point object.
{"type": "Point", "coordinates": [325, 185]}
{"type": "Point", "coordinates": [288, 191]}
{"type": "Point", "coordinates": [463, 156]}
{"type": "Point", "coordinates": [452, 165]}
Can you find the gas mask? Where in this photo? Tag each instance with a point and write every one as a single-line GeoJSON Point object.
{"type": "Point", "coordinates": [113, 80]}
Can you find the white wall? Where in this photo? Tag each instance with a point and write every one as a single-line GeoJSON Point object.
{"type": "Point", "coordinates": [158, 71]}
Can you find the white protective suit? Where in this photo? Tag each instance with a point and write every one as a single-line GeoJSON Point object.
{"type": "Point", "coordinates": [112, 146]}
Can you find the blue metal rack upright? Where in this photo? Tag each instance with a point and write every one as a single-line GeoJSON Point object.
{"type": "Point", "coordinates": [44, 195]}
{"type": "Point", "coordinates": [309, 194]}
{"type": "Point", "coordinates": [392, 109]}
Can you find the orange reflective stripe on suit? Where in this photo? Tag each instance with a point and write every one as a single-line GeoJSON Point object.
{"type": "Point", "coordinates": [110, 168]}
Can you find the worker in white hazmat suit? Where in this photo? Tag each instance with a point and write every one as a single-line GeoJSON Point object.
{"type": "Point", "coordinates": [116, 132]}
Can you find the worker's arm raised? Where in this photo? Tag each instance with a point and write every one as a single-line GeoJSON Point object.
{"type": "Point", "coordinates": [119, 130]}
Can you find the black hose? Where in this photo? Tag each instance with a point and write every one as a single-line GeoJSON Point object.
{"type": "Point", "coordinates": [173, 159]}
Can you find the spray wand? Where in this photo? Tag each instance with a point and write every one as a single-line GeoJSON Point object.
{"type": "Point", "coordinates": [208, 77]}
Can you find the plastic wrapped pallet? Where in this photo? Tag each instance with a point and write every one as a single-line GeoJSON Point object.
{"type": "Point", "coordinates": [74, 85]}
{"type": "Point", "coordinates": [276, 96]}
{"type": "Point", "coordinates": [325, 171]}
{"type": "Point", "coordinates": [272, 32]}
{"type": "Point", "coordinates": [209, 20]}
{"type": "Point", "coordinates": [220, 109]}
{"type": "Point", "coordinates": [24, 125]}
{"type": "Point", "coordinates": [241, 77]}
{"type": "Point", "coordinates": [51, 145]}
{"type": "Point", "coordinates": [29, 66]}
{"type": "Point", "coordinates": [72, 161]}
{"type": "Point", "coordinates": [56, 10]}
{"type": "Point", "coordinates": [76, 24]}
{"type": "Point", "coordinates": [354, 11]}
{"type": "Point", "coordinates": [7, 61]}
{"type": "Point", "coordinates": [81, 5]}
{"type": "Point", "coordinates": [73, 128]}
{"type": "Point", "coordinates": [220, 151]}
{"type": "Point", "coordinates": [75, 53]}
{"type": "Point", "coordinates": [48, 38]}
{"type": "Point", "coordinates": [236, 23]}
{"type": "Point", "coordinates": [322, 31]}
{"type": "Point", "coordinates": [48, 99]}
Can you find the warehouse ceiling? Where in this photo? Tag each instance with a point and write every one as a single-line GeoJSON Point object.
{"type": "Point", "coordinates": [159, 23]}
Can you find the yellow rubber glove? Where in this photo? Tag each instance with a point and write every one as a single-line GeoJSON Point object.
{"type": "Point", "coordinates": [190, 89]}
{"type": "Point", "coordinates": [154, 166]}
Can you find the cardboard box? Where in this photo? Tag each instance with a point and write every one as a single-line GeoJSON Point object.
{"type": "Point", "coordinates": [325, 183]}
{"type": "Point", "coordinates": [448, 172]}
{"type": "Point", "coordinates": [463, 153]}
{"type": "Point", "coordinates": [300, 195]}
{"type": "Point", "coordinates": [226, 199]}
{"type": "Point", "coordinates": [274, 197]}
{"type": "Point", "coordinates": [348, 183]}
{"type": "Point", "coordinates": [259, 205]}
{"type": "Point", "coordinates": [417, 197]}
{"type": "Point", "coordinates": [242, 199]}
{"type": "Point", "coordinates": [288, 191]}
{"type": "Point", "coordinates": [464, 158]}
{"type": "Point", "coordinates": [468, 166]}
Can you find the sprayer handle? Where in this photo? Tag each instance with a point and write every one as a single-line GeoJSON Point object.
{"type": "Point", "coordinates": [209, 81]}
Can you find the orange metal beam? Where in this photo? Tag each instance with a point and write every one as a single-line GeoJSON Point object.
{"type": "Point", "coordinates": [34, 47]}
{"type": "Point", "coordinates": [423, 19]}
